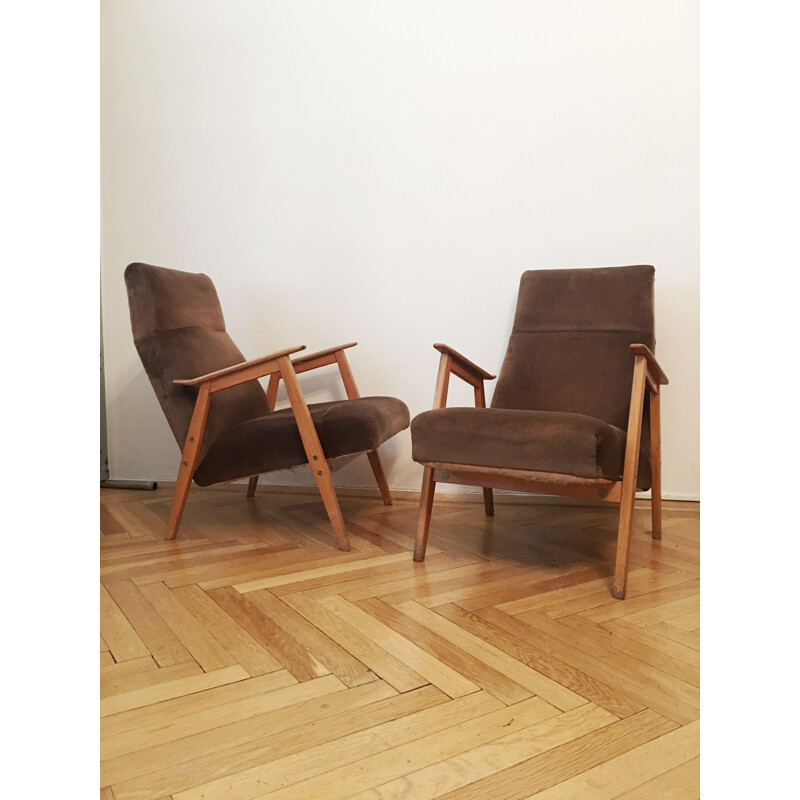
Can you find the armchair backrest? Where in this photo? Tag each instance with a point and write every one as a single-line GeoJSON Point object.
{"type": "Point", "coordinates": [570, 345]}
{"type": "Point", "coordinates": [179, 332]}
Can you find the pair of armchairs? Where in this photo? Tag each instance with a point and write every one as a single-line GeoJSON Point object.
{"type": "Point", "coordinates": [567, 416]}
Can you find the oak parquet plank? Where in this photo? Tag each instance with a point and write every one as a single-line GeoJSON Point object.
{"type": "Point", "coordinates": [175, 688]}
{"type": "Point", "coordinates": [459, 773]}
{"type": "Point", "coordinates": [137, 520]}
{"type": "Point", "coordinates": [439, 674]}
{"type": "Point", "coordinates": [546, 688]}
{"type": "Point", "coordinates": [368, 577]}
{"type": "Point", "coordinates": [254, 657]}
{"type": "Point", "coordinates": [644, 602]}
{"type": "Point", "coordinates": [343, 781]}
{"type": "Point", "coordinates": [382, 663]}
{"type": "Point", "coordinates": [285, 648]}
{"type": "Point", "coordinates": [197, 736]}
{"type": "Point", "coordinates": [533, 583]}
{"type": "Point", "coordinates": [629, 770]}
{"type": "Point", "coordinates": [348, 564]}
{"type": "Point", "coordinates": [109, 669]}
{"type": "Point", "coordinates": [109, 524]}
{"type": "Point", "coordinates": [304, 748]}
{"type": "Point", "coordinates": [265, 694]}
{"type": "Point", "coordinates": [338, 660]}
{"type": "Point", "coordinates": [202, 566]}
{"type": "Point", "coordinates": [679, 783]}
{"type": "Point", "coordinates": [160, 641]}
{"type": "Point", "coordinates": [664, 694]}
{"type": "Point", "coordinates": [194, 636]}
{"type": "Point", "coordinates": [278, 734]}
{"type": "Point", "coordinates": [686, 638]}
{"type": "Point", "coordinates": [281, 563]}
{"type": "Point", "coordinates": [566, 760]}
{"type": "Point", "coordinates": [462, 661]}
{"type": "Point", "coordinates": [671, 650]}
{"type": "Point", "coordinates": [612, 698]}
{"type": "Point", "coordinates": [153, 716]}
{"type": "Point", "coordinates": [118, 634]}
{"type": "Point", "coordinates": [401, 576]}
{"type": "Point", "coordinates": [144, 679]}
{"type": "Point", "coordinates": [377, 750]}
{"type": "Point", "coordinates": [470, 579]}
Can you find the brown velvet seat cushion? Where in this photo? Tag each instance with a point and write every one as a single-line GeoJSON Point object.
{"type": "Point", "coordinates": [273, 441]}
{"type": "Point", "coordinates": [545, 441]}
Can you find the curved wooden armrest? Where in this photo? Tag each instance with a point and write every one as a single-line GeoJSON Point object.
{"type": "Point", "coordinates": [654, 371]}
{"type": "Point", "coordinates": [321, 356]}
{"type": "Point", "coordinates": [239, 373]}
{"type": "Point", "coordinates": [466, 365]}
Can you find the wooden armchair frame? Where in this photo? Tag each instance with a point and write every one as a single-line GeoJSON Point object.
{"type": "Point", "coordinates": [647, 376]}
{"type": "Point", "coordinates": [279, 367]}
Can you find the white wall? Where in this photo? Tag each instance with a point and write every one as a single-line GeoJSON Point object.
{"type": "Point", "coordinates": [384, 172]}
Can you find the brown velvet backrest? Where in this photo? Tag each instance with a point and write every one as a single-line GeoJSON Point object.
{"type": "Point", "coordinates": [570, 345]}
{"type": "Point", "coordinates": [179, 332]}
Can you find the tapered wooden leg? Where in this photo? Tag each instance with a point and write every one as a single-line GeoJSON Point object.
{"type": "Point", "coordinates": [191, 451]}
{"type": "Point", "coordinates": [322, 475]}
{"type": "Point", "coordinates": [314, 452]}
{"type": "Point", "coordinates": [425, 508]}
{"type": "Point", "coordinates": [488, 501]}
{"type": "Point", "coordinates": [380, 477]}
{"type": "Point", "coordinates": [251, 486]}
{"type": "Point", "coordinates": [488, 497]}
{"type": "Point", "coordinates": [629, 477]}
{"type": "Point", "coordinates": [655, 462]}
{"type": "Point", "coordinates": [623, 544]}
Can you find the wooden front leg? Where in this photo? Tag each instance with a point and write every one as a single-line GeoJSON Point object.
{"type": "Point", "coordinates": [425, 508]}
{"type": "Point", "coordinates": [629, 476]}
{"type": "Point", "coordinates": [314, 453]}
{"type": "Point", "coordinates": [488, 495]}
{"type": "Point", "coordinates": [189, 456]}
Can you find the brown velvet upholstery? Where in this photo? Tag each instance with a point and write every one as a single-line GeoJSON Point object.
{"type": "Point", "coordinates": [544, 441]}
{"type": "Point", "coordinates": [273, 442]}
{"type": "Point", "coordinates": [179, 332]}
{"type": "Point", "coordinates": [563, 394]}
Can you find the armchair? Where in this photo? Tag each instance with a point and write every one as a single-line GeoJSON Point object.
{"type": "Point", "coordinates": [568, 414]}
{"type": "Point", "coordinates": [223, 420]}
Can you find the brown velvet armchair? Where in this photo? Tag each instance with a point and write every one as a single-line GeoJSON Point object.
{"type": "Point", "coordinates": [568, 414]}
{"type": "Point", "coordinates": [220, 415]}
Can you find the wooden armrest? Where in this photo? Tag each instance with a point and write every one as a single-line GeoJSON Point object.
{"type": "Point", "coordinates": [322, 356]}
{"type": "Point", "coordinates": [247, 370]}
{"type": "Point", "coordinates": [654, 371]}
{"type": "Point", "coordinates": [471, 368]}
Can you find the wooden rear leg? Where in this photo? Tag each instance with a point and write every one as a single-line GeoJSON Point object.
{"type": "Point", "coordinates": [251, 486]}
{"type": "Point", "coordinates": [655, 462]}
{"type": "Point", "coordinates": [380, 477]}
{"type": "Point", "coordinates": [425, 508]}
{"type": "Point", "coordinates": [488, 501]}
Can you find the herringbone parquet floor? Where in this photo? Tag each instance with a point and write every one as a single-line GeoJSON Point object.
{"type": "Point", "coordinates": [250, 658]}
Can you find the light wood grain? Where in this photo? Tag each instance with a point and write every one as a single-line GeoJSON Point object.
{"type": "Point", "coordinates": [499, 668]}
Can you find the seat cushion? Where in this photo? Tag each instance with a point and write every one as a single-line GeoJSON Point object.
{"type": "Point", "coordinates": [544, 441]}
{"type": "Point", "coordinates": [273, 441]}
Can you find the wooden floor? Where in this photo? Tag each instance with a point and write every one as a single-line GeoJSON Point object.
{"type": "Point", "coordinates": [251, 658]}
